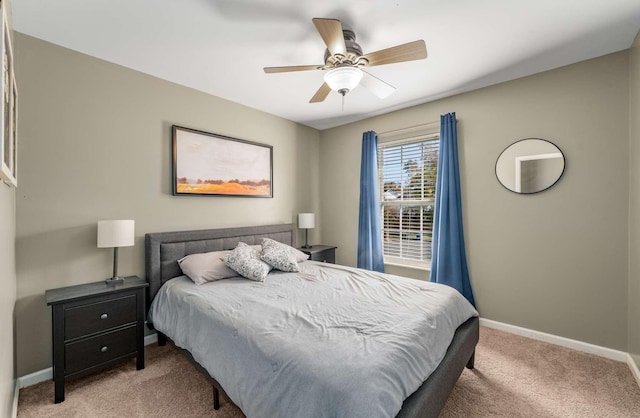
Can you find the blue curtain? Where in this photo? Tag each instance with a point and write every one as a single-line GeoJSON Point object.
{"type": "Point", "coordinates": [369, 231]}
{"type": "Point", "coordinates": [448, 256]}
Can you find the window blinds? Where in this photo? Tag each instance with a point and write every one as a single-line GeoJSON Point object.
{"type": "Point", "coordinates": [407, 173]}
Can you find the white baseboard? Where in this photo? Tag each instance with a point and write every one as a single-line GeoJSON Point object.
{"type": "Point", "coordinates": [47, 374]}
{"type": "Point", "coordinates": [150, 339]}
{"type": "Point", "coordinates": [35, 377]}
{"type": "Point", "coordinates": [634, 368]}
{"type": "Point", "coordinates": [554, 339]}
{"type": "Point", "coordinates": [16, 393]}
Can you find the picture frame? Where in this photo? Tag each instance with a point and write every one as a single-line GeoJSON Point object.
{"type": "Point", "coordinates": [209, 164]}
{"type": "Point", "coordinates": [8, 107]}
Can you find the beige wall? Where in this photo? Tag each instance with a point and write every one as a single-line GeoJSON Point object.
{"type": "Point", "coordinates": [7, 297]}
{"type": "Point", "coordinates": [8, 285]}
{"type": "Point", "coordinates": [634, 196]}
{"type": "Point", "coordinates": [96, 144]}
{"type": "Point", "coordinates": [554, 261]}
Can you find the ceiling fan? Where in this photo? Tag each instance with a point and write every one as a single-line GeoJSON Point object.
{"type": "Point", "coordinates": [343, 61]}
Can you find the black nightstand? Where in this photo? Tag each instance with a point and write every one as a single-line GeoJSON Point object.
{"type": "Point", "coordinates": [95, 326]}
{"type": "Point", "coordinates": [322, 253]}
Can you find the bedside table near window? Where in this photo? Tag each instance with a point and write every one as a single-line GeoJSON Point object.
{"type": "Point", "coordinates": [95, 326]}
{"type": "Point", "coordinates": [322, 253]}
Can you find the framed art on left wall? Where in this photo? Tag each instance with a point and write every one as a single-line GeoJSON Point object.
{"type": "Point", "coordinates": [8, 108]}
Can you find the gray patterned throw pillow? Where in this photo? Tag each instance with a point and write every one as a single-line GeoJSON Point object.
{"type": "Point", "coordinates": [246, 261]}
{"type": "Point", "coordinates": [278, 255]}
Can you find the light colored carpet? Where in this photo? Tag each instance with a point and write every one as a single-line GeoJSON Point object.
{"type": "Point", "coordinates": [514, 377]}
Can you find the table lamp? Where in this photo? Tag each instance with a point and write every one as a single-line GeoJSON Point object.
{"type": "Point", "coordinates": [306, 221]}
{"type": "Point", "coordinates": [115, 234]}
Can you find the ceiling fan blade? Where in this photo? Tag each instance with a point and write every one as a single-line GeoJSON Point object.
{"type": "Point", "coordinates": [376, 86]}
{"type": "Point", "coordinates": [270, 70]}
{"type": "Point", "coordinates": [331, 32]}
{"type": "Point", "coordinates": [412, 51]}
{"type": "Point", "coordinates": [321, 94]}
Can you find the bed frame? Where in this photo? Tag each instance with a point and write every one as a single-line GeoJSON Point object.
{"type": "Point", "coordinates": [163, 249]}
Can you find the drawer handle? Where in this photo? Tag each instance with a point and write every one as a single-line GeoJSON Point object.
{"type": "Point", "coordinates": [104, 316]}
{"type": "Point", "coordinates": [104, 349]}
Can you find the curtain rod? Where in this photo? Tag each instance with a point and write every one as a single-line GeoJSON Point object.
{"type": "Point", "coordinates": [422, 125]}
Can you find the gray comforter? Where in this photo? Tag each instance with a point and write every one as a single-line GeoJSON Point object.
{"type": "Point", "coordinates": [330, 341]}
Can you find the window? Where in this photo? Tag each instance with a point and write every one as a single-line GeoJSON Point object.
{"type": "Point", "coordinates": [407, 177]}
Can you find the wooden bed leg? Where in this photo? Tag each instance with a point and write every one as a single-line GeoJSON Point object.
{"type": "Point", "coordinates": [471, 360]}
{"type": "Point", "coordinates": [162, 339]}
{"type": "Point", "coordinates": [216, 398]}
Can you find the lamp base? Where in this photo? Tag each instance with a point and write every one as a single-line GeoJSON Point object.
{"type": "Point", "coordinates": [306, 239]}
{"type": "Point", "coordinates": [114, 280]}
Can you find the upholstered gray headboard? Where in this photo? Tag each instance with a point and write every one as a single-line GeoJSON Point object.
{"type": "Point", "coordinates": [164, 249]}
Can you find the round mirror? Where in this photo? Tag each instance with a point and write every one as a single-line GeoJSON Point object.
{"type": "Point", "coordinates": [530, 165]}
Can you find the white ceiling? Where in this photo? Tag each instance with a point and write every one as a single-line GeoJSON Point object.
{"type": "Point", "coordinates": [221, 46]}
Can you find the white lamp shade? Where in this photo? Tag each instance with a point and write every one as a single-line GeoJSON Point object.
{"type": "Point", "coordinates": [306, 220]}
{"type": "Point", "coordinates": [120, 233]}
{"type": "Point", "coordinates": [343, 78]}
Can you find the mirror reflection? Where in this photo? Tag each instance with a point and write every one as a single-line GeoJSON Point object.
{"type": "Point", "coordinates": [530, 165]}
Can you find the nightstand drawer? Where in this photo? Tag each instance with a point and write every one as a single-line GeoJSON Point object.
{"type": "Point", "coordinates": [324, 257]}
{"type": "Point", "coordinates": [99, 316]}
{"type": "Point", "coordinates": [96, 350]}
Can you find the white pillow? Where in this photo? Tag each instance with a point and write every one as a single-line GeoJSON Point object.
{"type": "Point", "coordinates": [278, 255]}
{"type": "Point", "coordinates": [246, 261]}
{"type": "Point", "coordinates": [206, 267]}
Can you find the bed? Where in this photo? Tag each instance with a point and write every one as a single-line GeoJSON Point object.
{"type": "Point", "coordinates": [165, 248]}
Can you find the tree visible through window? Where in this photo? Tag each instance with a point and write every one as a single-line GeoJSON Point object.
{"type": "Point", "coordinates": [407, 174]}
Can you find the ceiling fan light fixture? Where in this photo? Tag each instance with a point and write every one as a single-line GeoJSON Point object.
{"type": "Point", "coordinates": [343, 79]}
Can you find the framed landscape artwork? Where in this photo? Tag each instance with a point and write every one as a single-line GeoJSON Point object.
{"type": "Point", "coordinates": [8, 108]}
{"type": "Point", "coordinates": [217, 165]}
